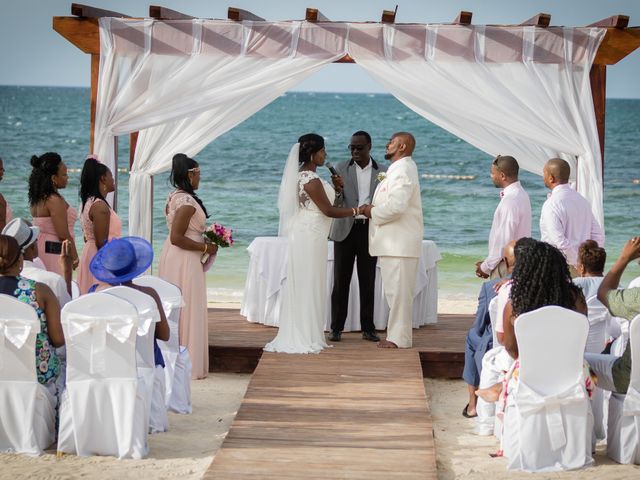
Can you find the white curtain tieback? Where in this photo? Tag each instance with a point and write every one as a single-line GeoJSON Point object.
{"type": "Point", "coordinates": [16, 331]}
{"type": "Point", "coordinates": [529, 402]}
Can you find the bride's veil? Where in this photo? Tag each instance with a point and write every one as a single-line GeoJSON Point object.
{"type": "Point", "coordinates": [288, 195]}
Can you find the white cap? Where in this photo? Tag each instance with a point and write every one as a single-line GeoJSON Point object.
{"type": "Point", "coordinates": [22, 232]}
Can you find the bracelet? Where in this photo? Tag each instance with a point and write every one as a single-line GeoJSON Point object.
{"type": "Point", "coordinates": [205, 247]}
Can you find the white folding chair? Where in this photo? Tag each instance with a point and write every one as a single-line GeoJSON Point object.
{"type": "Point", "coordinates": [177, 369]}
{"type": "Point", "coordinates": [27, 409]}
{"type": "Point", "coordinates": [599, 320]}
{"type": "Point", "coordinates": [102, 409]}
{"type": "Point", "coordinates": [548, 423]}
{"type": "Point", "coordinates": [623, 433]}
{"type": "Point", "coordinates": [148, 316]}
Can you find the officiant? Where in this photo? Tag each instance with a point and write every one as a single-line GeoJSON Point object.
{"type": "Point", "coordinates": [355, 183]}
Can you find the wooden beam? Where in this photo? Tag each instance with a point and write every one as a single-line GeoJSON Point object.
{"type": "Point", "coordinates": [84, 33]}
{"type": "Point", "coordinates": [598, 79]}
{"type": "Point", "coordinates": [617, 44]}
{"type": "Point", "coordinates": [164, 13]}
{"type": "Point", "coordinates": [615, 21]}
{"type": "Point", "coordinates": [463, 18]}
{"type": "Point", "coordinates": [389, 16]}
{"type": "Point", "coordinates": [239, 15]}
{"type": "Point", "coordinates": [540, 20]}
{"type": "Point", "coordinates": [314, 15]}
{"type": "Point", "coordinates": [80, 10]}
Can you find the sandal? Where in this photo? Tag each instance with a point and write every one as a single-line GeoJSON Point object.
{"type": "Point", "coordinates": [465, 414]}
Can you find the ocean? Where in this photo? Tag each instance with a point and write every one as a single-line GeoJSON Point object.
{"type": "Point", "coordinates": [241, 172]}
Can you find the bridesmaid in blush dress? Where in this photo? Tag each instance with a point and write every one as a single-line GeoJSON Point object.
{"type": "Point", "coordinates": [180, 259]}
{"type": "Point", "coordinates": [100, 223]}
{"type": "Point", "coordinates": [5, 210]}
{"type": "Point", "coordinates": [50, 212]}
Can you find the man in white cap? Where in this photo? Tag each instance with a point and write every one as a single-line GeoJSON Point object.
{"type": "Point", "coordinates": [27, 237]}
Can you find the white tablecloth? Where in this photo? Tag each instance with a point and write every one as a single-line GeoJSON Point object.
{"type": "Point", "coordinates": [267, 275]}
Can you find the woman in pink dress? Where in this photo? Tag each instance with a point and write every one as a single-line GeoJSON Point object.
{"type": "Point", "coordinates": [5, 210]}
{"type": "Point", "coordinates": [50, 212]}
{"type": "Point", "coordinates": [100, 223]}
{"type": "Point", "coordinates": [180, 259]}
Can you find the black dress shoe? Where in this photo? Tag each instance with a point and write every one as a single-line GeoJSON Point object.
{"type": "Point", "coordinates": [335, 336]}
{"type": "Point", "coordinates": [371, 336]}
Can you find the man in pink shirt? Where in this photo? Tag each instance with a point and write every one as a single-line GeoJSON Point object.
{"type": "Point", "coordinates": [566, 219]}
{"type": "Point", "coordinates": [511, 220]}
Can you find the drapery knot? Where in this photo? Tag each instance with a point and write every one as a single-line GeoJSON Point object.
{"type": "Point", "coordinates": [119, 327]}
{"type": "Point", "coordinates": [15, 331]}
{"type": "Point", "coordinates": [530, 402]}
{"type": "Point", "coordinates": [631, 405]}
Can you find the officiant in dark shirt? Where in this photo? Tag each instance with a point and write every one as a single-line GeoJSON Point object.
{"type": "Point", "coordinates": [355, 183]}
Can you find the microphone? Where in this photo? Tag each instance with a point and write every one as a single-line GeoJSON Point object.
{"type": "Point", "coordinates": [333, 171]}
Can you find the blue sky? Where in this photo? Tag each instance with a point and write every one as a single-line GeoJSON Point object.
{"type": "Point", "coordinates": [31, 53]}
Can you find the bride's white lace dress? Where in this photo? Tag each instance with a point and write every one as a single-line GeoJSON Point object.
{"type": "Point", "coordinates": [304, 303]}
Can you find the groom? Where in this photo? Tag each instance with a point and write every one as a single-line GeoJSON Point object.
{"type": "Point", "coordinates": [395, 236]}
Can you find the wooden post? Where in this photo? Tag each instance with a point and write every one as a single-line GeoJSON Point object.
{"type": "Point", "coordinates": [95, 68]}
{"type": "Point", "coordinates": [598, 79]}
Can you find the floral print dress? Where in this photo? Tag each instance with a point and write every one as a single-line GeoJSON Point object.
{"type": "Point", "coordinates": [47, 362]}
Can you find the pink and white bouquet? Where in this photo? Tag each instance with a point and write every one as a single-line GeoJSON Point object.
{"type": "Point", "coordinates": [218, 235]}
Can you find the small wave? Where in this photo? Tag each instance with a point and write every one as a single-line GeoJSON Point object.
{"type": "Point", "coordinates": [371, 95]}
{"type": "Point", "coordinates": [18, 124]}
{"type": "Point", "coordinates": [224, 295]}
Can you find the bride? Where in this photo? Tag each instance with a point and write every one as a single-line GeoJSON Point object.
{"type": "Point", "coordinates": [305, 204]}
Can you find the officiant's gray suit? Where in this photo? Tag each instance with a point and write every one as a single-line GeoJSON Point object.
{"type": "Point", "coordinates": [351, 242]}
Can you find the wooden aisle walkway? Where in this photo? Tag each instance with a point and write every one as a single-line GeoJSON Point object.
{"type": "Point", "coordinates": [235, 345]}
{"type": "Point", "coordinates": [351, 412]}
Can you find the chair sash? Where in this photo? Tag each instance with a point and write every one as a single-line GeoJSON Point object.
{"type": "Point", "coordinates": [530, 402]}
{"type": "Point", "coordinates": [119, 327]}
{"type": "Point", "coordinates": [16, 331]}
{"type": "Point", "coordinates": [169, 303]}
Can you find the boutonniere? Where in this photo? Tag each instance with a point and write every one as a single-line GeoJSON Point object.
{"type": "Point", "coordinates": [381, 176]}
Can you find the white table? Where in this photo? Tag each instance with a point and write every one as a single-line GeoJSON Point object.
{"type": "Point", "coordinates": [267, 275]}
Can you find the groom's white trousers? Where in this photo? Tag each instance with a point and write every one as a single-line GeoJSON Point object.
{"type": "Point", "coordinates": [399, 281]}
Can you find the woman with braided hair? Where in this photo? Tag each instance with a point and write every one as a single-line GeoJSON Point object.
{"type": "Point", "coordinates": [540, 278]}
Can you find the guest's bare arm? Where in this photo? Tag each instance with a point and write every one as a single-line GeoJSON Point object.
{"type": "Point", "coordinates": [3, 212]}
{"type": "Point", "coordinates": [58, 211]}
{"type": "Point", "coordinates": [100, 215]}
{"type": "Point", "coordinates": [630, 252]}
{"type": "Point", "coordinates": [181, 220]}
{"type": "Point", "coordinates": [316, 193]}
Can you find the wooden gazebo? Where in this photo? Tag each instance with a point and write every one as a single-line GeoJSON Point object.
{"type": "Point", "coordinates": [82, 30]}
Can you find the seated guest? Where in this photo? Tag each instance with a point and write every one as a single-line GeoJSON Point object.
{"type": "Point", "coordinates": [591, 260]}
{"type": "Point", "coordinates": [540, 278]}
{"type": "Point", "coordinates": [42, 299]}
{"type": "Point", "coordinates": [614, 372]}
{"type": "Point", "coordinates": [27, 237]}
{"type": "Point", "coordinates": [480, 336]}
{"type": "Point", "coordinates": [119, 262]}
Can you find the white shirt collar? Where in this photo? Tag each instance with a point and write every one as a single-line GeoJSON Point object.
{"type": "Point", "coordinates": [397, 163]}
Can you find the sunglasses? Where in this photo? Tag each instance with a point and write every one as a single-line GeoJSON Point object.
{"type": "Point", "coordinates": [357, 147]}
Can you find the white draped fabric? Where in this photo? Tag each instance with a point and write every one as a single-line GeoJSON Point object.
{"type": "Point", "coordinates": [522, 91]}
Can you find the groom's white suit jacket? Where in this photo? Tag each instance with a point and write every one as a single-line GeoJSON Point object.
{"type": "Point", "coordinates": [396, 225]}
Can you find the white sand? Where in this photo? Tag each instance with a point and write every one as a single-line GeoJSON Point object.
{"type": "Point", "coordinates": [184, 452]}
{"type": "Point", "coordinates": [462, 454]}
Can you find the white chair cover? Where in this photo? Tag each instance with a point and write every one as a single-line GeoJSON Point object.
{"type": "Point", "coordinates": [172, 302]}
{"type": "Point", "coordinates": [599, 320]}
{"type": "Point", "coordinates": [485, 421]}
{"type": "Point", "coordinates": [158, 419]}
{"type": "Point", "coordinates": [548, 422]}
{"type": "Point", "coordinates": [623, 435]}
{"type": "Point", "coordinates": [102, 409]}
{"type": "Point", "coordinates": [27, 409]}
{"type": "Point", "coordinates": [75, 290]}
{"type": "Point", "coordinates": [148, 316]}
{"type": "Point", "coordinates": [635, 283]}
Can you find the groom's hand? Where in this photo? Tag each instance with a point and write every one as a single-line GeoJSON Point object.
{"type": "Point", "coordinates": [365, 210]}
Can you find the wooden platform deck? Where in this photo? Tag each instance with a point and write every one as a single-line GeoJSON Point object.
{"type": "Point", "coordinates": [235, 345]}
{"type": "Point", "coordinates": [351, 412]}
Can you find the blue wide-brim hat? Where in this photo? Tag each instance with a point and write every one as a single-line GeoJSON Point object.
{"type": "Point", "coordinates": [121, 260]}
